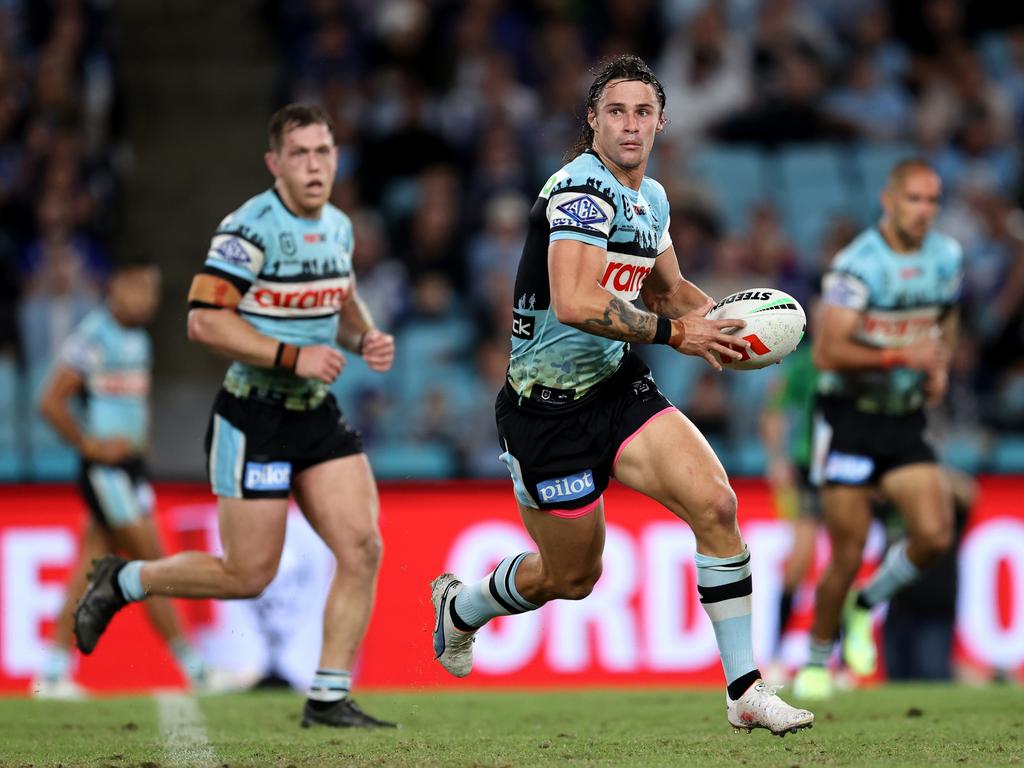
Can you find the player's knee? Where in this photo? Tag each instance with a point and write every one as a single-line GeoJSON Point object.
{"type": "Point", "coordinates": [576, 586]}
{"type": "Point", "coordinates": [719, 507]}
{"type": "Point", "coordinates": [847, 555]}
{"type": "Point", "coordinates": [934, 543]}
{"type": "Point", "coordinates": [251, 582]}
{"type": "Point", "coordinates": [250, 586]}
{"type": "Point", "coordinates": [364, 554]}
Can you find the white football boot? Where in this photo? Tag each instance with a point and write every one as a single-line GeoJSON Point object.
{"type": "Point", "coordinates": [452, 647]}
{"type": "Point", "coordinates": [63, 689]}
{"type": "Point", "coordinates": [760, 707]}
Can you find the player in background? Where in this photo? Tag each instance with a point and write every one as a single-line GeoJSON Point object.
{"type": "Point", "coordinates": [106, 362]}
{"type": "Point", "coordinates": [786, 433]}
{"type": "Point", "coordinates": [883, 346]}
{"type": "Point", "coordinates": [275, 295]}
{"type": "Point", "coordinates": [578, 406]}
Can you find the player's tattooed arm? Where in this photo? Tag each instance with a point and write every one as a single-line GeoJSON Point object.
{"type": "Point", "coordinates": [621, 320]}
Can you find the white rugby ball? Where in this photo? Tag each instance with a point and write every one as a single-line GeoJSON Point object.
{"type": "Point", "coordinates": [775, 324]}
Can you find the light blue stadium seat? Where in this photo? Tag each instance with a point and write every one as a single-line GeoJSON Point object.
{"type": "Point", "coordinates": [428, 352]}
{"type": "Point", "coordinates": [747, 393]}
{"type": "Point", "coordinates": [746, 458]}
{"type": "Point", "coordinates": [675, 374]}
{"type": "Point", "coordinates": [873, 163]}
{"type": "Point", "coordinates": [814, 189]}
{"type": "Point", "coordinates": [736, 176]}
{"type": "Point", "coordinates": [355, 381]}
{"type": "Point", "coordinates": [963, 451]}
{"type": "Point", "coordinates": [11, 467]}
{"type": "Point", "coordinates": [412, 461]}
{"type": "Point", "coordinates": [50, 458]}
{"type": "Point", "coordinates": [1008, 454]}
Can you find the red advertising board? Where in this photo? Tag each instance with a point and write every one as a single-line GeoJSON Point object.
{"type": "Point", "coordinates": [643, 624]}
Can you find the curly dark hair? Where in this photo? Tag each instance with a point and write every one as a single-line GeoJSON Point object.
{"type": "Point", "coordinates": [622, 67]}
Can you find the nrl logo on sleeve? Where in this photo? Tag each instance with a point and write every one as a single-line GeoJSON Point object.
{"type": "Point", "coordinates": [583, 210]}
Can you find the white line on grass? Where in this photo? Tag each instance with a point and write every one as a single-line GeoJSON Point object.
{"type": "Point", "coordinates": [181, 726]}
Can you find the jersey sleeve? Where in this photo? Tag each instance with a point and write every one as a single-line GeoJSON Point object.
{"type": "Point", "coordinates": [665, 242]}
{"type": "Point", "coordinates": [237, 252]}
{"type": "Point", "coordinates": [81, 351]}
{"type": "Point", "coordinates": [953, 275]}
{"type": "Point", "coordinates": [848, 282]}
{"type": "Point", "coordinates": [580, 212]}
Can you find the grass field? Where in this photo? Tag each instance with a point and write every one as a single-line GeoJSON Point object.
{"type": "Point", "coordinates": [891, 726]}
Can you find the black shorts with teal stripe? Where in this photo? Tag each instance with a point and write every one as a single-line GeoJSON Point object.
{"type": "Point", "coordinates": [255, 447]}
{"type": "Point", "coordinates": [562, 457]}
{"type": "Point", "coordinates": [853, 447]}
{"type": "Point", "coordinates": [117, 495]}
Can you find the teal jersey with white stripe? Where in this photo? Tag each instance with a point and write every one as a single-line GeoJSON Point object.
{"type": "Point", "coordinates": [294, 275]}
{"type": "Point", "coordinates": [583, 201]}
{"type": "Point", "coordinates": [115, 363]}
{"type": "Point", "coordinates": [901, 297]}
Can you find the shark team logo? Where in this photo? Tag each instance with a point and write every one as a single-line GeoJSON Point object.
{"type": "Point", "coordinates": [583, 210]}
{"type": "Point", "coordinates": [233, 251]}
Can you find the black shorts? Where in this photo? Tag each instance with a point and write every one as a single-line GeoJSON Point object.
{"type": "Point", "coordinates": [117, 494]}
{"type": "Point", "coordinates": [562, 457]}
{"type": "Point", "coordinates": [852, 447]}
{"type": "Point", "coordinates": [254, 447]}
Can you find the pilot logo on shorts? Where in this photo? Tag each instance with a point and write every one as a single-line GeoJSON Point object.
{"type": "Point", "coordinates": [271, 476]}
{"type": "Point", "coordinates": [583, 210]}
{"type": "Point", "coordinates": [848, 468]}
{"type": "Point", "coordinates": [567, 488]}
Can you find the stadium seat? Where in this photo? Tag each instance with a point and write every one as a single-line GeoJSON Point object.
{"type": "Point", "coordinates": [355, 381]}
{"type": "Point", "coordinates": [814, 189]}
{"type": "Point", "coordinates": [1008, 454]}
{"type": "Point", "coordinates": [873, 163]}
{"type": "Point", "coordinates": [412, 461]}
{"type": "Point", "coordinates": [735, 175]}
{"type": "Point", "coordinates": [427, 352]}
{"type": "Point", "coordinates": [747, 458]}
{"type": "Point", "coordinates": [675, 375]}
{"type": "Point", "coordinates": [964, 450]}
{"type": "Point", "coordinates": [10, 457]}
{"type": "Point", "coordinates": [49, 457]}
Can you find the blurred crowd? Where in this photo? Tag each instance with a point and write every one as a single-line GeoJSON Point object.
{"type": "Point", "coordinates": [784, 116]}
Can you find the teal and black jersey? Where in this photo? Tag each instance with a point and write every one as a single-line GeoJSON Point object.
{"type": "Point", "coordinates": [115, 363]}
{"type": "Point", "coordinates": [294, 275]}
{"type": "Point", "coordinates": [555, 363]}
{"type": "Point", "coordinates": [901, 297]}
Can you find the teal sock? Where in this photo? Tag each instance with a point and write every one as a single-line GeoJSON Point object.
{"type": "Point", "coordinates": [129, 580]}
{"type": "Point", "coordinates": [725, 586]}
{"type": "Point", "coordinates": [895, 572]}
{"type": "Point", "coordinates": [188, 658]}
{"type": "Point", "coordinates": [496, 595]}
{"type": "Point", "coordinates": [330, 685]}
{"type": "Point", "coordinates": [56, 664]}
{"type": "Point", "coordinates": [820, 653]}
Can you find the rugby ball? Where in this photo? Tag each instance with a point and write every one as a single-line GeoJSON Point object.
{"type": "Point", "coordinates": [775, 325]}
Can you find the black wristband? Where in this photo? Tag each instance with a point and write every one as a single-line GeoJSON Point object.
{"type": "Point", "coordinates": [277, 355]}
{"type": "Point", "coordinates": [663, 332]}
